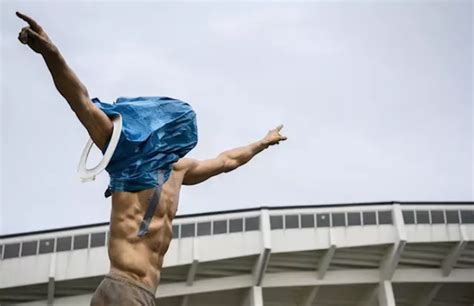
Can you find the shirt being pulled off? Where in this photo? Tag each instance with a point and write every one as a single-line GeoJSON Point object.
{"type": "Point", "coordinates": [156, 132]}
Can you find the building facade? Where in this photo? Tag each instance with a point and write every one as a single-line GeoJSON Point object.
{"type": "Point", "coordinates": [387, 254]}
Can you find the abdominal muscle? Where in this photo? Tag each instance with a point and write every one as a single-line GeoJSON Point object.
{"type": "Point", "coordinates": [136, 258]}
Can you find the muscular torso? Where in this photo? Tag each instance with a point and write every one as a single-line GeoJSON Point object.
{"type": "Point", "coordinates": [138, 258]}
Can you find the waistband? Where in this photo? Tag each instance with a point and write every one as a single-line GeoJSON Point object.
{"type": "Point", "coordinates": [132, 282]}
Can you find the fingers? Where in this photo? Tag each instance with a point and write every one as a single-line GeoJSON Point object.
{"type": "Point", "coordinates": [32, 33]}
{"type": "Point", "coordinates": [278, 129]}
{"type": "Point", "coordinates": [34, 25]}
{"type": "Point", "coordinates": [23, 36]}
{"type": "Point", "coordinates": [27, 34]}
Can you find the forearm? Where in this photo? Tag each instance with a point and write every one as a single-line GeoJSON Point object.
{"type": "Point", "coordinates": [242, 155]}
{"type": "Point", "coordinates": [65, 80]}
{"type": "Point", "coordinates": [199, 171]}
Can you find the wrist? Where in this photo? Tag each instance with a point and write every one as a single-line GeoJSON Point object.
{"type": "Point", "coordinates": [50, 51]}
{"type": "Point", "coordinates": [264, 143]}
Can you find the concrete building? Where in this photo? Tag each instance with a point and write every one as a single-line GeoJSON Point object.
{"type": "Point", "coordinates": [404, 254]}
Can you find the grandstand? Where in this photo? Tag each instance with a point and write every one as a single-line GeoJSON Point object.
{"type": "Point", "coordinates": [387, 254]}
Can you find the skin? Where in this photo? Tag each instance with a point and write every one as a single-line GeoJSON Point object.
{"type": "Point", "coordinates": [136, 258]}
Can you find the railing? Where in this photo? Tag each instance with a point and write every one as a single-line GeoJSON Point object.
{"type": "Point", "coordinates": [279, 220]}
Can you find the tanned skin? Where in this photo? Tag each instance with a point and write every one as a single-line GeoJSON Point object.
{"type": "Point", "coordinates": [136, 258]}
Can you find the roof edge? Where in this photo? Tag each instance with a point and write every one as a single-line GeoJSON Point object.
{"type": "Point", "coordinates": [212, 213]}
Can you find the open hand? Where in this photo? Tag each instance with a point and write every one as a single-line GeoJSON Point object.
{"type": "Point", "coordinates": [34, 36]}
{"type": "Point", "coordinates": [274, 137]}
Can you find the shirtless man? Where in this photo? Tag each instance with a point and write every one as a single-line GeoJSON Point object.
{"type": "Point", "coordinates": [135, 262]}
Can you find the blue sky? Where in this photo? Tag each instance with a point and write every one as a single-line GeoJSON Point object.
{"type": "Point", "coordinates": [376, 98]}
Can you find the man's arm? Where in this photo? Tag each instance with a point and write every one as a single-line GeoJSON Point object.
{"type": "Point", "coordinates": [199, 171]}
{"type": "Point", "coordinates": [67, 83]}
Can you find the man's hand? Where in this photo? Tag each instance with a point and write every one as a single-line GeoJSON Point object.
{"type": "Point", "coordinates": [34, 36]}
{"type": "Point", "coordinates": [274, 137]}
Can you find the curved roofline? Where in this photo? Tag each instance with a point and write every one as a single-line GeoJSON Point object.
{"type": "Point", "coordinates": [247, 210]}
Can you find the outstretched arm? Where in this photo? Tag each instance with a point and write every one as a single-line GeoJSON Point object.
{"type": "Point", "coordinates": [67, 83]}
{"type": "Point", "coordinates": [199, 171]}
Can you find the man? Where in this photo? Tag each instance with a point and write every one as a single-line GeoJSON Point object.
{"type": "Point", "coordinates": [136, 259]}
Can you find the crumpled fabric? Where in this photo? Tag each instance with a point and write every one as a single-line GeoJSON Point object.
{"type": "Point", "coordinates": [156, 132]}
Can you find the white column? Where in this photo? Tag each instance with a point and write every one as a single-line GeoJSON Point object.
{"type": "Point", "coordinates": [326, 259]}
{"type": "Point", "coordinates": [311, 297]}
{"type": "Point", "coordinates": [194, 265]}
{"type": "Point", "coordinates": [254, 297]}
{"type": "Point", "coordinates": [385, 295]}
{"type": "Point", "coordinates": [427, 296]}
{"type": "Point", "coordinates": [192, 269]}
{"type": "Point", "coordinates": [369, 296]}
{"type": "Point", "coordinates": [390, 262]}
{"type": "Point", "coordinates": [264, 257]}
{"type": "Point", "coordinates": [51, 275]}
{"type": "Point", "coordinates": [453, 256]}
{"type": "Point", "coordinates": [185, 300]}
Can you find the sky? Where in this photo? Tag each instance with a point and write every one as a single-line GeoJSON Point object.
{"type": "Point", "coordinates": [376, 98]}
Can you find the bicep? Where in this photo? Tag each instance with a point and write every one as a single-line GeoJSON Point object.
{"type": "Point", "coordinates": [200, 170]}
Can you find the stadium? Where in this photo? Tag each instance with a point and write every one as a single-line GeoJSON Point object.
{"type": "Point", "coordinates": [390, 253]}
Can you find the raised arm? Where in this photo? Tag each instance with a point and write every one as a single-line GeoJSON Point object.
{"type": "Point", "coordinates": [67, 83]}
{"type": "Point", "coordinates": [198, 171]}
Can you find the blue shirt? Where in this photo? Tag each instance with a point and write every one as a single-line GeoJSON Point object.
{"type": "Point", "coordinates": [156, 132]}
